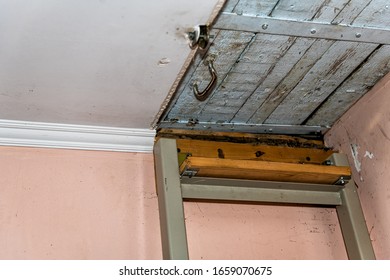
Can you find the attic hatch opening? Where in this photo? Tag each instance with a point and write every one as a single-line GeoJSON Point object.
{"type": "Point", "coordinates": [281, 68]}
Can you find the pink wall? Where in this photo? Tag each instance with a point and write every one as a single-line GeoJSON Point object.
{"type": "Point", "coordinates": [363, 133]}
{"type": "Point", "coordinates": [69, 204]}
{"type": "Point", "coordinates": [232, 231]}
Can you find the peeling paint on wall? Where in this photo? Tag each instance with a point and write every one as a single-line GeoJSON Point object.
{"type": "Point", "coordinates": [355, 153]}
{"type": "Point", "coordinates": [369, 155]}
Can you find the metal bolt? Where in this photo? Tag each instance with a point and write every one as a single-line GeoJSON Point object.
{"type": "Point", "coordinates": [358, 35]}
{"type": "Point", "coordinates": [313, 31]}
{"type": "Point", "coordinates": [264, 26]}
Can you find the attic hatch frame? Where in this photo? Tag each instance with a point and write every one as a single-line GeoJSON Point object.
{"type": "Point", "coordinates": [172, 190]}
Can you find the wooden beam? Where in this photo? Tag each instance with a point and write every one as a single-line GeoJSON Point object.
{"type": "Point", "coordinates": [240, 137]}
{"type": "Point", "coordinates": [252, 151]}
{"type": "Point", "coordinates": [264, 170]}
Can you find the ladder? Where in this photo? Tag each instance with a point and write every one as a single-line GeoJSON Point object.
{"type": "Point", "coordinates": [185, 170]}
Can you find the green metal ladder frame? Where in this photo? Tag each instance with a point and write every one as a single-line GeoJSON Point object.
{"type": "Point", "coordinates": [172, 190]}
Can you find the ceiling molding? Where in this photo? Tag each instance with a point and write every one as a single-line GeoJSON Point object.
{"type": "Point", "coordinates": [66, 136]}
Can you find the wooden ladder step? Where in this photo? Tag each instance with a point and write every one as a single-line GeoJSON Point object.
{"type": "Point", "coordinates": [264, 170]}
{"type": "Point", "coordinates": [252, 151]}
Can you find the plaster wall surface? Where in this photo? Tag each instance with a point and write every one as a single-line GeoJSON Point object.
{"type": "Point", "coordinates": [244, 231]}
{"type": "Point", "coordinates": [363, 133]}
{"type": "Point", "coordinates": [73, 204]}
{"type": "Point", "coordinates": [68, 204]}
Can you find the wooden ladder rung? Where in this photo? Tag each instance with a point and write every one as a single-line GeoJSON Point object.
{"type": "Point", "coordinates": [254, 151]}
{"type": "Point", "coordinates": [264, 170]}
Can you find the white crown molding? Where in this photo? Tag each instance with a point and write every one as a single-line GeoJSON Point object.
{"type": "Point", "coordinates": [67, 136]}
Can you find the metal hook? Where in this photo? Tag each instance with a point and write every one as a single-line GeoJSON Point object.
{"type": "Point", "coordinates": [202, 96]}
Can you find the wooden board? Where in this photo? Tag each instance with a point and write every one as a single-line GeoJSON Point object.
{"type": "Point", "coordinates": [350, 11]}
{"type": "Point", "coordinates": [323, 78]}
{"type": "Point", "coordinates": [278, 73]}
{"type": "Point", "coordinates": [254, 8]}
{"type": "Point", "coordinates": [246, 74]}
{"type": "Point", "coordinates": [290, 80]}
{"type": "Point", "coordinates": [353, 88]}
{"type": "Point", "coordinates": [375, 14]}
{"type": "Point", "coordinates": [263, 170]}
{"type": "Point", "coordinates": [272, 92]}
{"type": "Point", "coordinates": [229, 5]}
{"type": "Point", "coordinates": [239, 137]}
{"type": "Point", "coordinates": [252, 151]}
{"type": "Point", "coordinates": [298, 9]}
{"type": "Point", "coordinates": [329, 10]}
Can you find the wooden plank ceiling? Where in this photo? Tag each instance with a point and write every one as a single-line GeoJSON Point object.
{"type": "Point", "coordinates": [279, 83]}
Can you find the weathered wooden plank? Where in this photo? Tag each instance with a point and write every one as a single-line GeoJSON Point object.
{"type": "Point", "coordinates": [283, 79]}
{"type": "Point", "coordinates": [226, 103]}
{"type": "Point", "coordinates": [296, 9]}
{"type": "Point", "coordinates": [300, 69]}
{"type": "Point", "coordinates": [265, 170]}
{"type": "Point", "coordinates": [376, 14]}
{"type": "Point", "coordinates": [329, 10]}
{"type": "Point", "coordinates": [234, 86]}
{"type": "Point", "coordinates": [228, 99]}
{"type": "Point", "coordinates": [227, 48]}
{"type": "Point", "coordinates": [266, 49]}
{"type": "Point", "coordinates": [325, 76]}
{"type": "Point", "coordinates": [353, 88]}
{"type": "Point", "coordinates": [240, 137]}
{"type": "Point", "coordinates": [264, 52]}
{"type": "Point", "coordinates": [243, 78]}
{"type": "Point", "coordinates": [229, 102]}
{"type": "Point", "coordinates": [269, 97]}
{"type": "Point", "coordinates": [218, 115]}
{"type": "Point", "coordinates": [229, 5]}
{"type": "Point", "coordinates": [277, 75]}
{"type": "Point", "coordinates": [252, 151]}
{"type": "Point", "coordinates": [358, 12]}
{"type": "Point", "coordinates": [261, 68]}
{"type": "Point", "coordinates": [350, 11]}
{"type": "Point", "coordinates": [255, 8]}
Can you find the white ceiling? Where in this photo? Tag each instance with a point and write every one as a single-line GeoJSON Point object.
{"type": "Point", "coordinates": [92, 62]}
